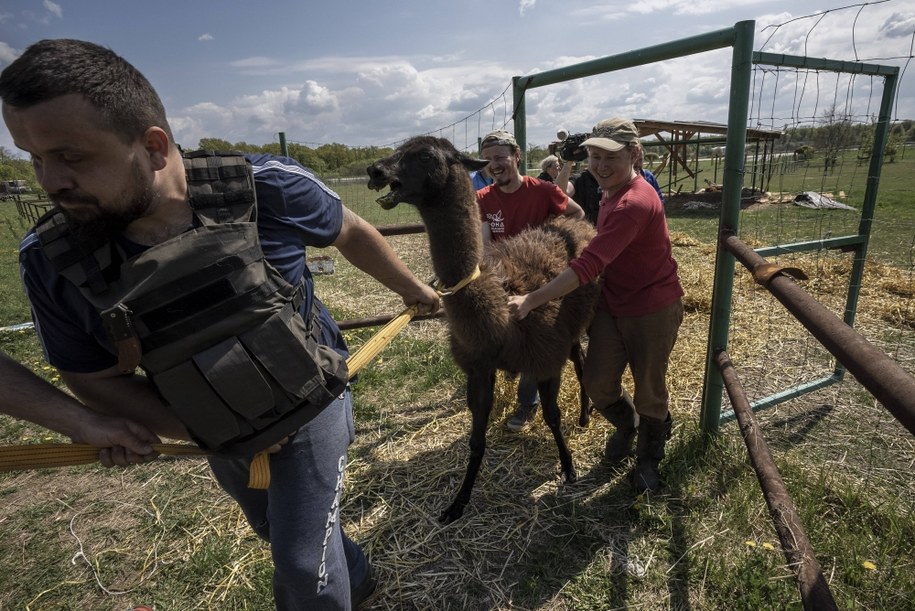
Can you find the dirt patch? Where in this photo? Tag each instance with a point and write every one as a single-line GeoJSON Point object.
{"type": "Point", "coordinates": [710, 199]}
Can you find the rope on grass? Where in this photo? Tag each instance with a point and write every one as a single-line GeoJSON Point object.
{"type": "Point", "coordinates": [81, 553]}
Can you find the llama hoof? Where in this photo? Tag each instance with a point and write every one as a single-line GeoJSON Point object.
{"type": "Point", "coordinates": [584, 420]}
{"type": "Point", "coordinates": [569, 477]}
{"type": "Point", "coordinates": [450, 515]}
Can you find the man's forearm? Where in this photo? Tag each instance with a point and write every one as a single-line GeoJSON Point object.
{"type": "Point", "coordinates": [128, 396]}
{"type": "Point", "coordinates": [28, 397]}
{"type": "Point", "coordinates": [367, 249]}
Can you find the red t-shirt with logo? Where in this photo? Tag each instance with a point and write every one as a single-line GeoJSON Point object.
{"type": "Point", "coordinates": [529, 206]}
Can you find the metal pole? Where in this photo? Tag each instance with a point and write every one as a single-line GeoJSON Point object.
{"type": "Point", "coordinates": [732, 184]}
{"type": "Point", "coordinates": [519, 84]}
{"type": "Point", "coordinates": [870, 195]}
{"type": "Point", "coordinates": [670, 50]}
{"type": "Point", "coordinates": [796, 546]}
{"type": "Point", "coordinates": [879, 374]}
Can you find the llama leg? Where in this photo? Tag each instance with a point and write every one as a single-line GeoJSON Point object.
{"type": "Point", "coordinates": [577, 358]}
{"type": "Point", "coordinates": [549, 400]}
{"type": "Point", "coordinates": [480, 386]}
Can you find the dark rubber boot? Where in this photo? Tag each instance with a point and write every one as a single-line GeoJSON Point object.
{"type": "Point", "coordinates": [623, 416]}
{"type": "Point", "coordinates": [649, 452]}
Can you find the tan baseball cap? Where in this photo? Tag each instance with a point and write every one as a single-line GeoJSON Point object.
{"type": "Point", "coordinates": [499, 137]}
{"type": "Point", "coordinates": [613, 134]}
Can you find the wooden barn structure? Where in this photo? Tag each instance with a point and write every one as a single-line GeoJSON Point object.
{"type": "Point", "coordinates": [677, 145]}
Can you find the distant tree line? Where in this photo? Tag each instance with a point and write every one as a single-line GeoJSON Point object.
{"type": "Point", "coordinates": [340, 160]}
{"type": "Point", "coordinates": [328, 160]}
{"type": "Point", "coordinates": [15, 168]}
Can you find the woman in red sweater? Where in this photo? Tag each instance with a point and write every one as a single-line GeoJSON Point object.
{"type": "Point", "coordinates": [640, 309]}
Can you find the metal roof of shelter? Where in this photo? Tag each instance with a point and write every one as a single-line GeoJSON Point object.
{"type": "Point", "coordinates": [679, 137]}
{"type": "Point", "coordinates": [651, 127]}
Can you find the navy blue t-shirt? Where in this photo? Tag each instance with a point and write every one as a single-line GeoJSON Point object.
{"type": "Point", "coordinates": [295, 210]}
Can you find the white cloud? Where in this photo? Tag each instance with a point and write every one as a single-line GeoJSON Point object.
{"type": "Point", "coordinates": [899, 25]}
{"type": "Point", "coordinates": [366, 98]}
{"type": "Point", "coordinates": [394, 97]}
{"type": "Point", "coordinates": [7, 53]}
{"type": "Point", "coordinates": [257, 64]}
{"type": "Point", "coordinates": [53, 8]}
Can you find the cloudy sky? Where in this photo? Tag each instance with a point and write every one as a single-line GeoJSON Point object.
{"type": "Point", "coordinates": [373, 73]}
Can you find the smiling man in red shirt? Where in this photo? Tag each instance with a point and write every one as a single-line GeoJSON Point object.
{"type": "Point", "coordinates": [508, 206]}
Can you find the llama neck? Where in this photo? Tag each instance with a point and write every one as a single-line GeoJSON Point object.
{"type": "Point", "coordinates": [453, 225]}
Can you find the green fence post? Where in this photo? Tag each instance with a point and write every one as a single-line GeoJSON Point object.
{"type": "Point", "coordinates": [732, 184]}
{"type": "Point", "coordinates": [519, 117]}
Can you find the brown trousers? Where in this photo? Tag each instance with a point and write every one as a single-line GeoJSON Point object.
{"type": "Point", "coordinates": [642, 342]}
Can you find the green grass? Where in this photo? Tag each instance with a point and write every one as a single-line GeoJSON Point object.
{"type": "Point", "coordinates": [894, 214]}
{"type": "Point", "coordinates": [165, 534]}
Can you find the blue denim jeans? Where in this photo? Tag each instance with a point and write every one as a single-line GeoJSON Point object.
{"type": "Point", "coordinates": [299, 514]}
{"type": "Point", "coordinates": [527, 391]}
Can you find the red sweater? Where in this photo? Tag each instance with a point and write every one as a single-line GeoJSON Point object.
{"type": "Point", "coordinates": [632, 251]}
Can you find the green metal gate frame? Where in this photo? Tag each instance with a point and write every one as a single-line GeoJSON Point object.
{"type": "Point", "coordinates": [740, 38]}
{"type": "Point", "coordinates": [857, 243]}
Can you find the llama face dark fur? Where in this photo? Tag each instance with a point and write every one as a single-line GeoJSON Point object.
{"type": "Point", "coordinates": [432, 175]}
{"type": "Point", "coordinates": [419, 171]}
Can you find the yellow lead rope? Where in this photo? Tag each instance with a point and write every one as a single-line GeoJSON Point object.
{"type": "Point", "coordinates": [48, 455]}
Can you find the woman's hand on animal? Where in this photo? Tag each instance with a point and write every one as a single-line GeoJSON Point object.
{"type": "Point", "coordinates": [519, 306]}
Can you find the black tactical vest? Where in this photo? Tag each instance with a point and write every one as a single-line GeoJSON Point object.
{"type": "Point", "coordinates": [210, 321]}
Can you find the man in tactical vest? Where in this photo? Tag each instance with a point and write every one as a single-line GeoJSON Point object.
{"type": "Point", "coordinates": [192, 269]}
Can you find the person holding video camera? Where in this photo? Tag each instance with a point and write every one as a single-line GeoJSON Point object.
{"type": "Point", "coordinates": [640, 308]}
{"type": "Point", "coordinates": [582, 185]}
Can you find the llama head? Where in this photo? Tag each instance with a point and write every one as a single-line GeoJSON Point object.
{"type": "Point", "coordinates": [418, 170]}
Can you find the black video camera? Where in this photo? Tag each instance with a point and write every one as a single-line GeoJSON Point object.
{"type": "Point", "coordinates": [570, 149]}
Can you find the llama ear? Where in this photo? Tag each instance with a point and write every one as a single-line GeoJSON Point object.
{"type": "Point", "coordinates": [472, 164]}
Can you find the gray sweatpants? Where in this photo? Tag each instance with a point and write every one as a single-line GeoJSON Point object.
{"type": "Point", "coordinates": [299, 514]}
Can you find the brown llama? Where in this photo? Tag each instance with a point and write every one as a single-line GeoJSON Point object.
{"type": "Point", "coordinates": [432, 175]}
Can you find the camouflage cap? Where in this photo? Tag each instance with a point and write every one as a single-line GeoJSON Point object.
{"type": "Point", "coordinates": [499, 137]}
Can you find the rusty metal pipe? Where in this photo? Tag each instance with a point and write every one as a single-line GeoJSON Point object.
{"type": "Point", "coordinates": [815, 592]}
{"type": "Point", "coordinates": [377, 321]}
{"type": "Point", "coordinates": [879, 374]}
{"type": "Point", "coordinates": [388, 230]}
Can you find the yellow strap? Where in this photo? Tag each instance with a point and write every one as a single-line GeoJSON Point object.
{"type": "Point", "coordinates": [370, 349]}
{"type": "Point", "coordinates": [259, 472]}
{"type": "Point", "coordinates": [47, 455]}
{"type": "Point", "coordinates": [454, 289]}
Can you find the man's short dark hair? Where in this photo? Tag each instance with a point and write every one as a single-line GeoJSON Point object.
{"type": "Point", "coordinates": [49, 69]}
